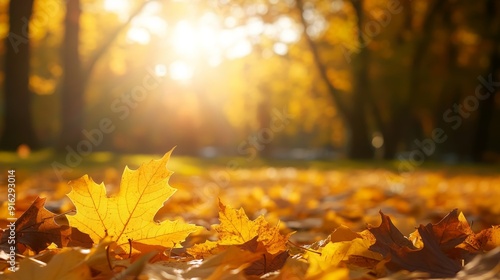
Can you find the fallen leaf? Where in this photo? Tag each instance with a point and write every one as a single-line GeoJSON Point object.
{"type": "Point", "coordinates": [452, 230]}
{"type": "Point", "coordinates": [343, 233]}
{"type": "Point", "coordinates": [36, 229]}
{"type": "Point", "coordinates": [236, 228]}
{"type": "Point", "coordinates": [489, 238]}
{"type": "Point", "coordinates": [204, 250]}
{"type": "Point", "coordinates": [67, 264]}
{"type": "Point", "coordinates": [98, 258]}
{"type": "Point", "coordinates": [135, 269]}
{"type": "Point", "coordinates": [79, 239]}
{"type": "Point", "coordinates": [128, 216]}
{"type": "Point", "coordinates": [484, 266]}
{"type": "Point", "coordinates": [293, 269]}
{"type": "Point", "coordinates": [388, 237]}
{"type": "Point", "coordinates": [325, 264]}
{"type": "Point", "coordinates": [403, 255]}
{"type": "Point", "coordinates": [230, 262]}
{"type": "Point", "coordinates": [267, 262]}
{"type": "Point", "coordinates": [256, 236]}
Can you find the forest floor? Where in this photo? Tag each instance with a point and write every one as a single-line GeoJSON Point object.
{"type": "Point", "coordinates": [309, 198]}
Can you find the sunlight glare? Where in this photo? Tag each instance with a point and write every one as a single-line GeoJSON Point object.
{"type": "Point", "coordinates": [160, 70]}
{"type": "Point", "coordinates": [280, 48]}
{"type": "Point", "coordinates": [214, 60]}
{"type": "Point", "coordinates": [289, 33]}
{"type": "Point", "coordinates": [119, 7]}
{"type": "Point", "coordinates": [115, 5]}
{"type": "Point", "coordinates": [138, 35]}
{"type": "Point", "coordinates": [230, 22]}
{"type": "Point", "coordinates": [154, 24]}
{"type": "Point", "coordinates": [185, 38]}
{"type": "Point", "coordinates": [240, 49]}
{"type": "Point", "coordinates": [254, 26]}
{"type": "Point", "coordinates": [181, 71]}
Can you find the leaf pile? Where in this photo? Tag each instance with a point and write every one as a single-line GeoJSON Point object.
{"type": "Point", "coordinates": [126, 240]}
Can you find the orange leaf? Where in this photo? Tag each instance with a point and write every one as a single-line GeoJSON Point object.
{"type": "Point", "coordinates": [204, 250]}
{"type": "Point", "coordinates": [489, 238]}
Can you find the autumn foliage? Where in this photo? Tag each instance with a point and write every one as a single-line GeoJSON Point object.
{"type": "Point", "coordinates": [117, 236]}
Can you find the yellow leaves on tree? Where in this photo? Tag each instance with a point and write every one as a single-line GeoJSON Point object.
{"type": "Point", "coordinates": [128, 217]}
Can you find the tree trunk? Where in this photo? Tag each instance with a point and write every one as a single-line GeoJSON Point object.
{"type": "Point", "coordinates": [72, 95]}
{"type": "Point", "coordinates": [398, 132]}
{"type": "Point", "coordinates": [18, 126]}
{"type": "Point", "coordinates": [360, 136]}
{"type": "Point", "coordinates": [76, 76]}
{"type": "Point", "coordinates": [359, 145]}
{"type": "Point", "coordinates": [354, 114]}
{"type": "Point", "coordinates": [487, 106]}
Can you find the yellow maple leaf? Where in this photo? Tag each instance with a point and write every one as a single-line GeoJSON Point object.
{"type": "Point", "coordinates": [236, 228]}
{"type": "Point", "coordinates": [127, 217]}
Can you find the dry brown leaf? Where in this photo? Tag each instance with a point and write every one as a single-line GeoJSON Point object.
{"type": "Point", "coordinates": [268, 262]}
{"type": "Point", "coordinates": [403, 255]}
{"type": "Point", "coordinates": [36, 229]}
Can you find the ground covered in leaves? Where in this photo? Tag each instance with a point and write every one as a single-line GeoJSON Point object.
{"type": "Point", "coordinates": [282, 222]}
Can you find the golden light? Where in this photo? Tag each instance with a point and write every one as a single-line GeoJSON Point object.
{"type": "Point", "coordinates": [115, 5]}
{"type": "Point", "coordinates": [138, 35]}
{"type": "Point", "coordinates": [180, 70]}
{"type": "Point", "coordinates": [161, 70]}
{"type": "Point", "coordinates": [280, 48]}
{"type": "Point", "coordinates": [206, 40]}
{"type": "Point", "coordinates": [185, 38]}
{"type": "Point", "coordinates": [119, 7]}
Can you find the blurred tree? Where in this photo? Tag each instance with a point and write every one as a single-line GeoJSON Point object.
{"type": "Point", "coordinates": [354, 110]}
{"type": "Point", "coordinates": [404, 115]}
{"type": "Point", "coordinates": [487, 107]}
{"type": "Point", "coordinates": [18, 127]}
{"type": "Point", "coordinates": [72, 96]}
{"type": "Point", "coordinates": [76, 75]}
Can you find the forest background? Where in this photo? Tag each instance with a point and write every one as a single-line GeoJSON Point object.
{"type": "Point", "coordinates": [405, 80]}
